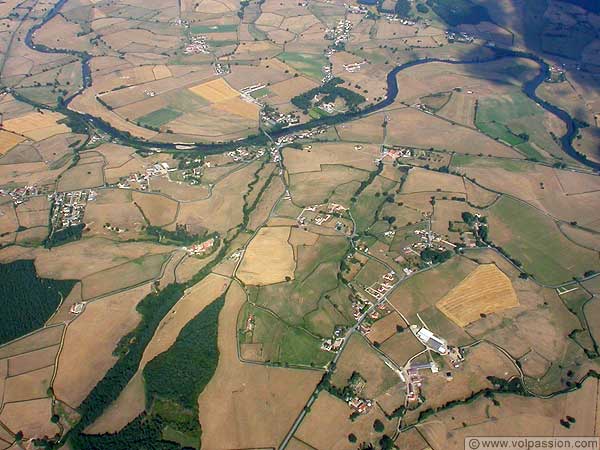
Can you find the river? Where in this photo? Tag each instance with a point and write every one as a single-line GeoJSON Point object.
{"type": "Point", "coordinates": [529, 88]}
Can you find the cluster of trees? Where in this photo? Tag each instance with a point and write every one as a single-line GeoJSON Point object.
{"type": "Point", "coordinates": [27, 301]}
{"type": "Point", "coordinates": [130, 349]}
{"type": "Point", "coordinates": [435, 256]}
{"type": "Point", "coordinates": [180, 374]}
{"type": "Point", "coordinates": [365, 183]}
{"type": "Point", "coordinates": [144, 433]}
{"type": "Point", "coordinates": [481, 233]}
{"type": "Point", "coordinates": [181, 234]}
{"type": "Point", "coordinates": [456, 12]}
{"type": "Point", "coordinates": [64, 236]}
{"type": "Point", "coordinates": [402, 8]}
{"type": "Point", "coordinates": [141, 433]}
{"type": "Point", "coordinates": [332, 91]}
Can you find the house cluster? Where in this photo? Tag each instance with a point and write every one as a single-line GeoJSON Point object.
{"type": "Point", "coordinates": [360, 9]}
{"type": "Point", "coordinates": [398, 152]}
{"type": "Point", "coordinates": [381, 287]}
{"type": "Point", "coordinates": [340, 34]}
{"type": "Point", "coordinates": [430, 340]}
{"type": "Point", "coordinates": [321, 214]}
{"type": "Point", "coordinates": [179, 22]}
{"type": "Point", "coordinates": [246, 93]}
{"type": "Point", "coordinates": [354, 67]}
{"type": "Point", "coordinates": [414, 380]}
{"type": "Point", "coordinates": [359, 404]}
{"type": "Point", "coordinates": [115, 229]}
{"type": "Point", "coordinates": [221, 68]}
{"type": "Point", "coordinates": [21, 194]}
{"type": "Point", "coordinates": [149, 93]}
{"type": "Point", "coordinates": [143, 179]}
{"type": "Point", "coordinates": [237, 255]}
{"type": "Point", "coordinates": [461, 37]}
{"type": "Point", "coordinates": [197, 45]}
{"type": "Point", "coordinates": [77, 308]}
{"type": "Point", "coordinates": [397, 18]}
{"type": "Point", "coordinates": [327, 72]}
{"type": "Point", "coordinates": [250, 323]}
{"type": "Point", "coordinates": [428, 239]}
{"type": "Point", "coordinates": [306, 134]}
{"type": "Point", "coordinates": [243, 154]}
{"type": "Point", "coordinates": [68, 208]}
{"type": "Point", "coordinates": [200, 249]}
{"type": "Point", "coordinates": [271, 116]}
{"type": "Point", "coordinates": [360, 306]}
{"type": "Point", "coordinates": [334, 343]}
{"type": "Point", "coordinates": [556, 75]}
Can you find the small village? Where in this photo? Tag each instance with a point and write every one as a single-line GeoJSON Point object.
{"type": "Point", "coordinates": [197, 45]}
{"type": "Point", "coordinates": [22, 194]}
{"type": "Point", "coordinates": [200, 249]}
{"type": "Point", "coordinates": [68, 208]}
{"type": "Point", "coordinates": [141, 181]}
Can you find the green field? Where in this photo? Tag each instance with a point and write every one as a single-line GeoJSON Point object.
{"type": "Point", "coordinates": [535, 240]}
{"type": "Point", "coordinates": [309, 64]}
{"type": "Point", "coordinates": [260, 93]}
{"type": "Point", "coordinates": [369, 201]}
{"type": "Point", "coordinates": [202, 29]}
{"type": "Point", "coordinates": [223, 43]}
{"type": "Point", "coordinates": [282, 343]}
{"type": "Point", "coordinates": [159, 117]}
{"type": "Point", "coordinates": [503, 163]}
{"type": "Point", "coordinates": [516, 120]}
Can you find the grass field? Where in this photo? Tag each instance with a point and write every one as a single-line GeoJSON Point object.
{"type": "Point", "coordinates": [535, 240]}
{"type": "Point", "coordinates": [517, 120]}
{"type": "Point", "coordinates": [159, 117]}
{"type": "Point", "coordinates": [486, 290]}
{"type": "Point", "coordinates": [308, 63]}
{"type": "Point", "coordinates": [201, 29]}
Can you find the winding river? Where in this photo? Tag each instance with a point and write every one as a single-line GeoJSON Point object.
{"type": "Point", "coordinates": [529, 88]}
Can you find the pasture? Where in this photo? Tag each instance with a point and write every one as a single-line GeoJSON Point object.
{"type": "Point", "coordinates": [536, 241]}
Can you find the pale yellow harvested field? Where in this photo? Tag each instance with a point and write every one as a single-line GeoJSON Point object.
{"type": "Point", "coordinates": [34, 360]}
{"type": "Point", "coordinates": [215, 91]}
{"type": "Point", "coordinates": [91, 339]}
{"type": "Point", "coordinates": [28, 386]}
{"type": "Point", "coordinates": [486, 290]}
{"type": "Point", "coordinates": [40, 339]}
{"type": "Point", "coordinates": [460, 108]}
{"type": "Point", "coordinates": [8, 140]}
{"type": "Point", "coordinates": [161, 71]}
{"type": "Point", "coordinates": [239, 107]}
{"type": "Point", "coordinates": [159, 210]}
{"type": "Point", "coordinates": [422, 180]}
{"type": "Point", "coordinates": [311, 160]}
{"type": "Point", "coordinates": [269, 257]}
{"type": "Point", "coordinates": [37, 126]}
{"type": "Point", "coordinates": [31, 417]}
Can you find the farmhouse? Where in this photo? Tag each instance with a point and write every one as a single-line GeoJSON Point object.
{"type": "Point", "coordinates": [427, 338]}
